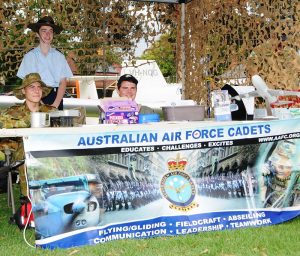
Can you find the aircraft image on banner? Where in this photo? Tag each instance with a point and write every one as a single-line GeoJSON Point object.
{"type": "Point", "coordinates": [269, 95]}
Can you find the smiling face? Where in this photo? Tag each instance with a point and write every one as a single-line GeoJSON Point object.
{"type": "Point", "coordinates": [127, 89]}
{"type": "Point", "coordinates": [33, 92]}
{"type": "Point", "coordinates": [283, 168]}
{"type": "Point", "coordinates": [46, 34]}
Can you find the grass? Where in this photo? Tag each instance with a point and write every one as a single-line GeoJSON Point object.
{"type": "Point", "coordinates": [276, 240]}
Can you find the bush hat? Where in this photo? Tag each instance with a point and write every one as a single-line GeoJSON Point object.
{"type": "Point", "coordinates": [28, 80]}
{"type": "Point", "coordinates": [45, 21]}
{"type": "Point", "coordinates": [127, 77]}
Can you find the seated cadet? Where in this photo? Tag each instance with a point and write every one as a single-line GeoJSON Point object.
{"type": "Point", "coordinates": [32, 90]}
{"type": "Point", "coordinates": [18, 116]}
{"type": "Point", "coordinates": [127, 87]}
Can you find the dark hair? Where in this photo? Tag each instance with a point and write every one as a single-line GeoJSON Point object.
{"type": "Point", "coordinates": [127, 77]}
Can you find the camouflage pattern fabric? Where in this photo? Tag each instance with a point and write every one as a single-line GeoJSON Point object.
{"type": "Point", "coordinates": [18, 116]}
{"type": "Point", "coordinates": [275, 60]}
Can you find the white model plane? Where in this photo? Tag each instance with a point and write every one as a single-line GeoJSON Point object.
{"type": "Point", "coordinates": [269, 95]}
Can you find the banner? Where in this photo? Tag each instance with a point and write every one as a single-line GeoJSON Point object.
{"type": "Point", "coordinates": [90, 186]}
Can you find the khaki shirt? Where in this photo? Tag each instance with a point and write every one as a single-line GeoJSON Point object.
{"type": "Point", "coordinates": [18, 116]}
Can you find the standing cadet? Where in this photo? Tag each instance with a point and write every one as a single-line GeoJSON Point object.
{"type": "Point", "coordinates": [47, 61]}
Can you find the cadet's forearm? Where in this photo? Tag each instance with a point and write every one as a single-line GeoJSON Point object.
{"type": "Point", "coordinates": [60, 92]}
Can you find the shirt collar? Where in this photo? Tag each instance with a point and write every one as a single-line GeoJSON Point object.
{"type": "Point", "coordinates": [51, 49]}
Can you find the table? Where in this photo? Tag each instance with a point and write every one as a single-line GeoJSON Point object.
{"type": "Point", "coordinates": [99, 183]}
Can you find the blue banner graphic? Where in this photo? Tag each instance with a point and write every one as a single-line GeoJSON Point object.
{"type": "Point", "coordinates": [100, 186]}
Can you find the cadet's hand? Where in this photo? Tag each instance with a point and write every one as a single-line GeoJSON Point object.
{"type": "Point", "coordinates": [55, 105]}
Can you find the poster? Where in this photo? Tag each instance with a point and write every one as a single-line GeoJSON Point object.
{"type": "Point", "coordinates": [91, 187]}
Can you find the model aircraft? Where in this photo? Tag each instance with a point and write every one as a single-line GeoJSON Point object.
{"type": "Point", "coordinates": [87, 85]}
{"type": "Point", "coordinates": [269, 95]}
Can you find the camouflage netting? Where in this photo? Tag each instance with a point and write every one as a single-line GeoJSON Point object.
{"type": "Point", "coordinates": [224, 39]}
{"type": "Point", "coordinates": [96, 32]}
{"type": "Point", "coordinates": [234, 39]}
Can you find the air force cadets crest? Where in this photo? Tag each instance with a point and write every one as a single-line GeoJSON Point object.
{"type": "Point", "coordinates": [177, 186]}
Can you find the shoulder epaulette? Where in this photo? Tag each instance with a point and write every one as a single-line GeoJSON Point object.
{"type": "Point", "coordinates": [59, 51]}
{"type": "Point", "coordinates": [16, 106]}
{"type": "Point", "coordinates": [30, 50]}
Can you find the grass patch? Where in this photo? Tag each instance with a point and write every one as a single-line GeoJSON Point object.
{"type": "Point", "coordinates": [276, 240]}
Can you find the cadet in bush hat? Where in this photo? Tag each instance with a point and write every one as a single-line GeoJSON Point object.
{"type": "Point", "coordinates": [28, 80]}
{"type": "Point", "coordinates": [56, 68]}
{"type": "Point", "coordinates": [45, 21]}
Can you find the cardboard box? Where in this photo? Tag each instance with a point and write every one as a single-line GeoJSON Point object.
{"type": "Point", "coordinates": [118, 111]}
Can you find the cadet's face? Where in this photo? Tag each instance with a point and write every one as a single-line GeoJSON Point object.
{"type": "Point", "coordinates": [33, 92]}
{"type": "Point", "coordinates": [283, 171]}
{"type": "Point", "coordinates": [46, 34]}
{"type": "Point", "coordinates": [127, 89]}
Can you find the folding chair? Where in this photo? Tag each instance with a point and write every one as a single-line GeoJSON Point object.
{"type": "Point", "coordinates": [9, 169]}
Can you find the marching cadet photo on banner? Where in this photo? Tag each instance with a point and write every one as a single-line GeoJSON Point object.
{"type": "Point", "coordinates": [139, 184]}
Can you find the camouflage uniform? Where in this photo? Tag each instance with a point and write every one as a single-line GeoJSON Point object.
{"type": "Point", "coordinates": [277, 188]}
{"type": "Point", "coordinates": [282, 176]}
{"type": "Point", "coordinates": [18, 116]}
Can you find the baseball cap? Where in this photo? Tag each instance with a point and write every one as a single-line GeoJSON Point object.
{"type": "Point", "coordinates": [127, 77]}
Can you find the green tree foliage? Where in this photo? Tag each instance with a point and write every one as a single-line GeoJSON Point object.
{"type": "Point", "coordinates": [163, 51]}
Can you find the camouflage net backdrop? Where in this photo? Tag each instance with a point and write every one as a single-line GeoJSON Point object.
{"type": "Point", "coordinates": [96, 33]}
{"type": "Point", "coordinates": [234, 39]}
{"type": "Point", "coordinates": [224, 39]}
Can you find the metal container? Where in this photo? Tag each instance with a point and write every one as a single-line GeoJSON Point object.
{"type": "Point", "coordinates": [184, 113]}
{"type": "Point", "coordinates": [64, 118]}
